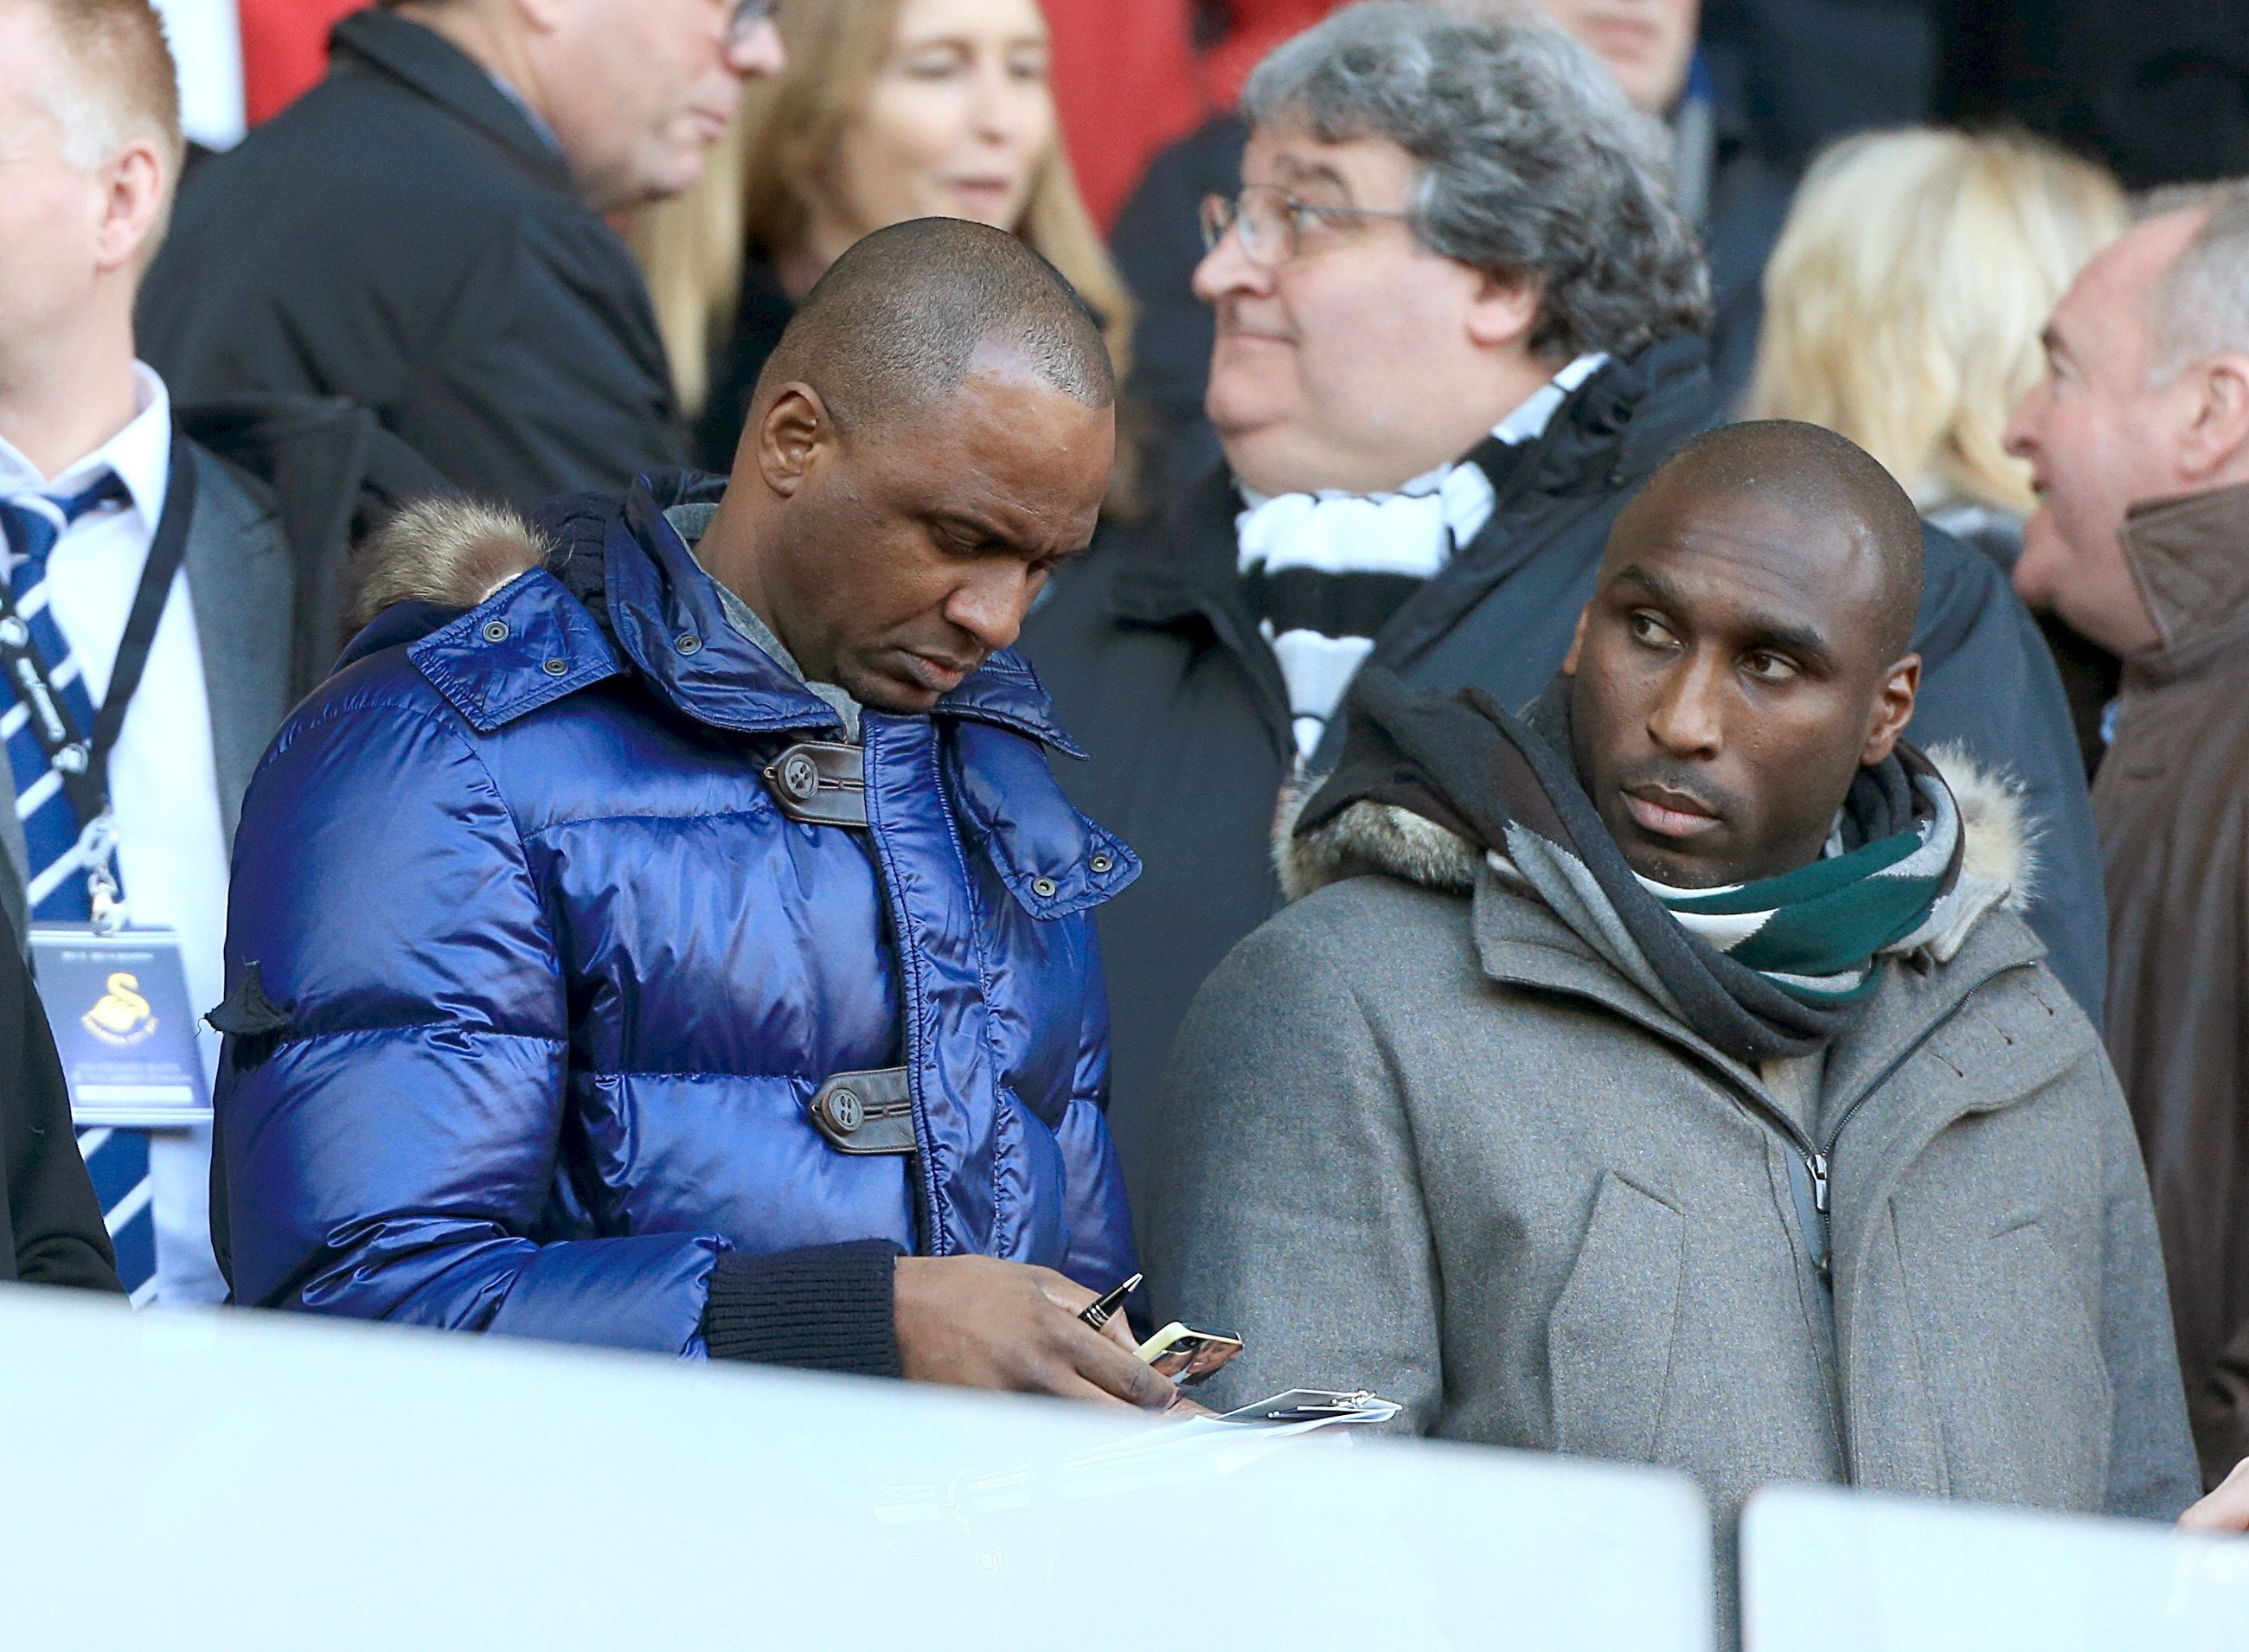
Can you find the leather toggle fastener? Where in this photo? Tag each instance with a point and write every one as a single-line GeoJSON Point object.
{"type": "Point", "coordinates": [822, 783]}
{"type": "Point", "coordinates": [866, 1112]}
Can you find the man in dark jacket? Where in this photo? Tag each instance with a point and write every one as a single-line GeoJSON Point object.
{"type": "Point", "coordinates": [2138, 440]}
{"type": "Point", "coordinates": [651, 953]}
{"type": "Point", "coordinates": [1364, 349]}
{"type": "Point", "coordinates": [423, 234]}
{"type": "Point", "coordinates": [50, 1226]}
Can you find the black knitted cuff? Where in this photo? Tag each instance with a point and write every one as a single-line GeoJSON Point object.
{"type": "Point", "coordinates": [823, 1308]}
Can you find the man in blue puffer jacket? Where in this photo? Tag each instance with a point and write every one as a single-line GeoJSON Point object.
{"type": "Point", "coordinates": [663, 931]}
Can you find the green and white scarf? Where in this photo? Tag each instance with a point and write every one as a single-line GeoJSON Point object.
{"type": "Point", "coordinates": [1765, 970]}
{"type": "Point", "coordinates": [1815, 932]}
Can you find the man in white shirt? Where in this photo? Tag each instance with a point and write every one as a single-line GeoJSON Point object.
{"type": "Point", "coordinates": [90, 147]}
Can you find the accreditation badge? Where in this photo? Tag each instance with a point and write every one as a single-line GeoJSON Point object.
{"type": "Point", "coordinates": [123, 1024]}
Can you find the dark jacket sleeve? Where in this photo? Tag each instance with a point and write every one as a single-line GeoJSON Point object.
{"type": "Point", "coordinates": [2218, 1408]}
{"type": "Point", "coordinates": [50, 1217]}
{"type": "Point", "coordinates": [821, 1308]}
{"type": "Point", "coordinates": [1988, 684]}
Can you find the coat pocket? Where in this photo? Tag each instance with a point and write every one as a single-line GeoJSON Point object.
{"type": "Point", "coordinates": [2014, 1357]}
{"type": "Point", "coordinates": [1608, 1341]}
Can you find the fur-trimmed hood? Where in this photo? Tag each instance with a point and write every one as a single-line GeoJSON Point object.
{"type": "Point", "coordinates": [2001, 845]}
{"type": "Point", "coordinates": [449, 552]}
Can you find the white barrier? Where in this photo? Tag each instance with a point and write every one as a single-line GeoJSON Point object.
{"type": "Point", "coordinates": [246, 1480]}
{"type": "Point", "coordinates": [1831, 1571]}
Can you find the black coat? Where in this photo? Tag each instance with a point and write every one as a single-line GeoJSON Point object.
{"type": "Point", "coordinates": [50, 1226]}
{"type": "Point", "coordinates": [401, 236]}
{"type": "Point", "coordinates": [762, 312]}
{"type": "Point", "coordinates": [1157, 668]}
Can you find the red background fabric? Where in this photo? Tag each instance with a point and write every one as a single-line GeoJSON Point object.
{"type": "Point", "coordinates": [285, 50]}
{"type": "Point", "coordinates": [1125, 83]}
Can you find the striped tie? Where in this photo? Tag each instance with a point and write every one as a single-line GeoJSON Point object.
{"type": "Point", "coordinates": [32, 523]}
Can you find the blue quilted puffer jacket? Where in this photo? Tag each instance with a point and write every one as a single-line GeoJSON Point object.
{"type": "Point", "coordinates": [531, 982]}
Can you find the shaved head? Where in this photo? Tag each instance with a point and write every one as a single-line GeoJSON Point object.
{"type": "Point", "coordinates": [932, 436]}
{"type": "Point", "coordinates": [1745, 653]}
{"type": "Point", "coordinates": [898, 323]}
{"type": "Point", "coordinates": [1810, 471]}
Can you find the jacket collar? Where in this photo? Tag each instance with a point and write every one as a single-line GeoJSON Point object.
{"type": "Point", "coordinates": [421, 59]}
{"type": "Point", "coordinates": [1615, 429]}
{"type": "Point", "coordinates": [2190, 558]}
{"type": "Point", "coordinates": [244, 582]}
{"type": "Point", "coordinates": [624, 592]}
{"type": "Point", "coordinates": [1521, 943]}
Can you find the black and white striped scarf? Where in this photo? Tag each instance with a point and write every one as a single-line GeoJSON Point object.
{"type": "Point", "coordinates": [1325, 571]}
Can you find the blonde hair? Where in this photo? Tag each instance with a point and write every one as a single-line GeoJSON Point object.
{"type": "Point", "coordinates": [115, 82]}
{"type": "Point", "coordinates": [1906, 295]}
{"type": "Point", "coordinates": [757, 188]}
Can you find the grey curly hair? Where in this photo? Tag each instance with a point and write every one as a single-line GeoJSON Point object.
{"type": "Point", "coordinates": [1532, 163]}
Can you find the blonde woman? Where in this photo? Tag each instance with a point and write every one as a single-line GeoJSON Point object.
{"type": "Point", "coordinates": [889, 110]}
{"type": "Point", "coordinates": [1903, 306]}
{"type": "Point", "coordinates": [1904, 302]}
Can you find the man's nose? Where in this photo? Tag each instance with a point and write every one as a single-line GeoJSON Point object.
{"type": "Point", "coordinates": [991, 604]}
{"type": "Point", "coordinates": [1687, 720]}
{"type": "Point", "coordinates": [758, 53]}
{"type": "Point", "coordinates": [2023, 423]}
{"type": "Point", "coordinates": [1227, 269]}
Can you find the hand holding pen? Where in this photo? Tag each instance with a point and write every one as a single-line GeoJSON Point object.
{"type": "Point", "coordinates": [1099, 1312]}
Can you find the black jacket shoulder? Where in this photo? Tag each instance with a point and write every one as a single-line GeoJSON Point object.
{"type": "Point", "coordinates": [405, 238]}
{"type": "Point", "coordinates": [51, 1227]}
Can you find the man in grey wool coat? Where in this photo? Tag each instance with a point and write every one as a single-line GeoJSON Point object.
{"type": "Point", "coordinates": [1666, 1074]}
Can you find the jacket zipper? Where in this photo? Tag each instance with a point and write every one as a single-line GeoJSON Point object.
{"type": "Point", "coordinates": [1816, 1159]}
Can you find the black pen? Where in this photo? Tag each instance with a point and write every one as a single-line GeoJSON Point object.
{"type": "Point", "coordinates": [1098, 1314]}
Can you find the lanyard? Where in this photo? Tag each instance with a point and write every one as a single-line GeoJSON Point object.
{"type": "Point", "coordinates": [81, 756]}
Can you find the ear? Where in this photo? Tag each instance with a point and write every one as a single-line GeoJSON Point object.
{"type": "Point", "coordinates": [133, 185]}
{"type": "Point", "coordinates": [2218, 434]}
{"type": "Point", "coordinates": [1577, 643]}
{"type": "Point", "coordinates": [1892, 710]}
{"type": "Point", "coordinates": [1502, 310]}
{"type": "Point", "coordinates": [789, 441]}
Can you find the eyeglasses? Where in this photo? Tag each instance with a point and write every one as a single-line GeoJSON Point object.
{"type": "Point", "coordinates": [750, 16]}
{"type": "Point", "coordinates": [1271, 222]}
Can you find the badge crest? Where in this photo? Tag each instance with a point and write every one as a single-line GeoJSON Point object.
{"type": "Point", "coordinates": [121, 1017]}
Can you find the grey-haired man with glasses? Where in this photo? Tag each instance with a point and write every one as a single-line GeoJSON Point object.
{"type": "Point", "coordinates": [425, 232]}
{"type": "Point", "coordinates": [1459, 321]}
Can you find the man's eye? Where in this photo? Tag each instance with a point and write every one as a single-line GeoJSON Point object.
{"type": "Point", "coordinates": [1769, 667]}
{"type": "Point", "coordinates": [1646, 628]}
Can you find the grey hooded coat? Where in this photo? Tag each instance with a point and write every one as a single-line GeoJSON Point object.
{"type": "Point", "coordinates": [1422, 1138]}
